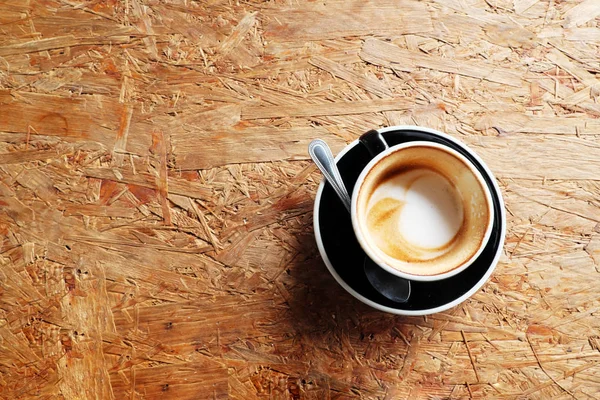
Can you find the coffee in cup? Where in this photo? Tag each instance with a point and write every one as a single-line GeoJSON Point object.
{"type": "Point", "coordinates": [422, 211]}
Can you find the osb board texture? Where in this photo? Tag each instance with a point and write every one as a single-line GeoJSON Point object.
{"type": "Point", "coordinates": [156, 197]}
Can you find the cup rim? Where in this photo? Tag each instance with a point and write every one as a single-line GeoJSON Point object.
{"type": "Point", "coordinates": [371, 253]}
{"type": "Point", "coordinates": [398, 311]}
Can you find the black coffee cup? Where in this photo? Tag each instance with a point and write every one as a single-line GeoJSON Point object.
{"type": "Point", "coordinates": [344, 256]}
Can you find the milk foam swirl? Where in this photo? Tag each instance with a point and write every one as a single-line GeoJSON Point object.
{"type": "Point", "coordinates": [415, 215]}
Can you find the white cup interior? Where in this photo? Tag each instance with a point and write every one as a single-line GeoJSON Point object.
{"type": "Point", "coordinates": [438, 228]}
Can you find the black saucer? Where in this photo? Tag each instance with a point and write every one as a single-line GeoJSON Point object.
{"type": "Point", "coordinates": [344, 257]}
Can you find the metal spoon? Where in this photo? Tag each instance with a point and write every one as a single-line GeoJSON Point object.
{"type": "Point", "coordinates": [321, 154]}
{"type": "Point", "coordinates": [392, 287]}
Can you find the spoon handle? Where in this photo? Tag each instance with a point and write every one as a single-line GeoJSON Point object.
{"type": "Point", "coordinates": [321, 154]}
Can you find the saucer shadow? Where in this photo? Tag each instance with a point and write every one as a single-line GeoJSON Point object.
{"type": "Point", "coordinates": [320, 309]}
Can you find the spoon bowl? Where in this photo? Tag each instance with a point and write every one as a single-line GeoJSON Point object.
{"type": "Point", "coordinates": [390, 286]}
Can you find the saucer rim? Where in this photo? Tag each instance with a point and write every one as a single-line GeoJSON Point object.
{"type": "Point", "coordinates": [444, 307]}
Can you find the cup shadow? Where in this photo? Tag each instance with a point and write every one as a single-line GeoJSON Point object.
{"type": "Point", "coordinates": [321, 310]}
{"type": "Point", "coordinates": [333, 335]}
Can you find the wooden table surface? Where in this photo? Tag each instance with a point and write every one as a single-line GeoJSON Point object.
{"type": "Point", "coordinates": [156, 196]}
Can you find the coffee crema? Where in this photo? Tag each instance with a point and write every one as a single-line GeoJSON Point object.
{"type": "Point", "coordinates": [415, 215]}
{"type": "Point", "coordinates": [422, 211]}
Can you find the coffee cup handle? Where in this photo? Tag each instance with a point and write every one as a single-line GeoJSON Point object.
{"type": "Point", "coordinates": [374, 142]}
